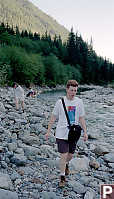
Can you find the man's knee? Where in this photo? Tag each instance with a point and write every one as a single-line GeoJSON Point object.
{"type": "Point", "coordinates": [70, 155]}
{"type": "Point", "coordinates": [64, 156]}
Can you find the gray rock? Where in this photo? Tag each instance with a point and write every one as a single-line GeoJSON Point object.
{"type": "Point", "coordinates": [5, 182]}
{"type": "Point", "coordinates": [34, 120]}
{"type": "Point", "coordinates": [79, 164]}
{"type": "Point", "coordinates": [4, 194]}
{"type": "Point", "coordinates": [12, 146]}
{"type": "Point", "coordinates": [3, 164]}
{"type": "Point", "coordinates": [49, 195]}
{"type": "Point", "coordinates": [15, 176]}
{"type": "Point", "coordinates": [90, 195]}
{"type": "Point", "coordinates": [2, 108]}
{"type": "Point", "coordinates": [85, 180]}
{"type": "Point", "coordinates": [30, 150]}
{"type": "Point", "coordinates": [109, 157]}
{"type": "Point", "coordinates": [77, 187]}
{"type": "Point", "coordinates": [111, 165]}
{"type": "Point", "coordinates": [22, 121]}
{"type": "Point", "coordinates": [101, 150]}
{"type": "Point", "coordinates": [30, 139]}
{"type": "Point", "coordinates": [92, 136]}
{"type": "Point", "coordinates": [19, 160]}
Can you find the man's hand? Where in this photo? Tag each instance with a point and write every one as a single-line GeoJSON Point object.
{"type": "Point", "coordinates": [85, 137]}
{"type": "Point", "coordinates": [47, 136]}
{"type": "Point", "coordinates": [52, 119]}
{"type": "Point", "coordinates": [83, 124]}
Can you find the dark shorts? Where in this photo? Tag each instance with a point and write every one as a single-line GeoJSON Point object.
{"type": "Point", "coordinates": [65, 147]}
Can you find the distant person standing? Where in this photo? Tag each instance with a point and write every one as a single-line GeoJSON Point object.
{"type": "Point", "coordinates": [19, 96]}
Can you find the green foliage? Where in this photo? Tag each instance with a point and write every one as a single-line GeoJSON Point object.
{"type": "Point", "coordinates": [24, 68]}
{"type": "Point", "coordinates": [111, 84]}
{"type": "Point", "coordinates": [58, 73]}
{"type": "Point", "coordinates": [52, 70]}
{"type": "Point", "coordinates": [72, 73]}
{"type": "Point", "coordinates": [28, 58]}
{"type": "Point", "coordinates": [5, 38]}
{"type": "Point", "coordinates": [4, 74]}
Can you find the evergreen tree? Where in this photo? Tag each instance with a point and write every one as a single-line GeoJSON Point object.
{"type": "Point", "coordinates": [2, 28]}
{"type": "Point", "coordinates": [17, 32]}
{"type": "Point", "coordinates": [30, 35]}
{"type": "Point", "coordinates": [71, 47]}
{"type": "Point", "coordinates": [36, 36]}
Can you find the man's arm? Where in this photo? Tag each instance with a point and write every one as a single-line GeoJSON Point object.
{"type": "Point", "coordinates": [83, 125]}
{"type": "Point", "coordinates": [51, 121]}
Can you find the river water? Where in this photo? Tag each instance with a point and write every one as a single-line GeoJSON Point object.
{"type": "Point", "coordinates": [56, 94]}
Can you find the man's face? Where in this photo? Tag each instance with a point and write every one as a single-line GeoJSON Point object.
{"type": "Point", "coordinates": [15, 86]}
{"type": "Point", "coordinates": [71, 92]}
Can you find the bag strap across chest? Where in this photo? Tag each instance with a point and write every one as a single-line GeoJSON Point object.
{"type": "Point", "coordinates": [68, 120]}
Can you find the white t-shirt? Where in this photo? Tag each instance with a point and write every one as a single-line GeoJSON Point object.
{"type": "Point", "coordinates": [75, 110]}
{"type": "Point", "coordinates": [19, 93]}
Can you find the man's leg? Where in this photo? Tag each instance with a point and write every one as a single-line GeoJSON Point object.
{"type": "Point", "coordinates": [22, 104]}
{"type": "Point", "coordinates": [17, 104]}
{"type": "Point", "coordinates": [63, 159]}
{"type": "Point", "coordinates": [63, 149]}
{"type": "Point", "coordinates": [72, 148]}
{"type": "Point", "coordinates": [69, 157]}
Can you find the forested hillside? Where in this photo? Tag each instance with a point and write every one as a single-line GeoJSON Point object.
{"type": "Point", "coordinates": [32, 58]}
{"type": "Point", "coordinates": [28, 17]}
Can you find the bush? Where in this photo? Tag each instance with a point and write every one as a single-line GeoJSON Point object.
{"type": "Point", "coordinates": [24, 68]}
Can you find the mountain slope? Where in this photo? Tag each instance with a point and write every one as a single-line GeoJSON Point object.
{"type": "Point", "coordinates": [27, 16]}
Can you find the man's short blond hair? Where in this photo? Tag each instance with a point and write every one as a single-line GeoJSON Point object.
{"type": "Point", "coordinates": [72, 82]}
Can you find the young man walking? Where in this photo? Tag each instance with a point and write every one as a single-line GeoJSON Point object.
{"type": "Point", "coordinates": [75, 109]}
{"type": "Point", "coordinates": [19, 96]}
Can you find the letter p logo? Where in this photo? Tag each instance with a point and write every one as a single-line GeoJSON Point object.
{"type": "Point", "coordinates": [107, 191]}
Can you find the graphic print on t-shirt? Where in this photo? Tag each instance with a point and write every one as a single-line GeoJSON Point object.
{"type": "Point", "coordinates": [71, 113]}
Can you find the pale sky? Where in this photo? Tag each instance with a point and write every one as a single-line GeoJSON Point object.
{"type": "Point", "coordinates": [90, 18]}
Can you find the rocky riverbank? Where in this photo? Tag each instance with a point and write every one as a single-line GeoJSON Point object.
{"type": "Point", "coordinates": [29, 165]}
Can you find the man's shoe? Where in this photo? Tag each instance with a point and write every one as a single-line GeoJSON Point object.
{"type": "Point", "coordinates": [62, 181]}
{"type": "Point", "coordinates": [67, 170]}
